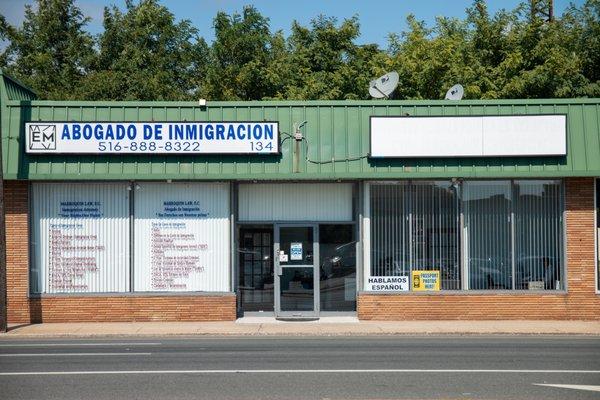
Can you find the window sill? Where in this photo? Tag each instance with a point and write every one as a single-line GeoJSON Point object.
{"type": "Point", "coordinates": [130, 294]}
{"type": "Point", "coordinates": [472, 293]}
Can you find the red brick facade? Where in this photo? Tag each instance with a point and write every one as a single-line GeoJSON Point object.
{"type": "Point", "coordinates": [116, 308]}
{"type": "Point", "coordinates": [16, 201]}
{"type": "Point", "coordinates": [580, 301]}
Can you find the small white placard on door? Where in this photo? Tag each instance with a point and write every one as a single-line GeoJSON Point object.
{"type": "Point", "coordinates": [296, 251]}
{"type": "Point", "coordinates": [283, 257]}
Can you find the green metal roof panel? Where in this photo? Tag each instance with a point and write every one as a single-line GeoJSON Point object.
{"type": "Point", "coordinates": [15, 90]}
{"type": "Point", "coordinates": [337, 134]}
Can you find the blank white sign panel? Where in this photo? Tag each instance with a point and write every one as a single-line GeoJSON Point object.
{"type": "Point", "coordinates": [483, 136]}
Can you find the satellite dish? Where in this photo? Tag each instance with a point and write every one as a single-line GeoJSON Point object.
{"type": "Point", "coordinates": [456, 92]}
{"type": "Point", "coordinates": [384, 86]}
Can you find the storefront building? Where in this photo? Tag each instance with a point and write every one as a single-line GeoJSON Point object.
{"type": "Point", "coordinates": [388, 210]}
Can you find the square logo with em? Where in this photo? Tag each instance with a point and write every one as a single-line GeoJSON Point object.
{"type": "Point", "coordinates": [42, 137]}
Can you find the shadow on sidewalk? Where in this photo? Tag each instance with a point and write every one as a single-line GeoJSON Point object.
{"type": "Point", "coordinates": [16, 326]}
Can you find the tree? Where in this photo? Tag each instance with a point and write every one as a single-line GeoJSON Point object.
{"type": "Point", "coordinates": [585, 25]}
{"type": "Point", "coordinates": [145, 55]}
{"type": "Point", "coordinates": [242, 58]}
{"type": "Point", "coordinates": [541, 62]}
{"type": "Point", "coordinates": [518, 54]}
{"type": "Point", "coordinates": [51, 52]}
{"type": "Point", "coordinates": [326, 63]}
{"type": "Point", "coordinates": [430, 60]}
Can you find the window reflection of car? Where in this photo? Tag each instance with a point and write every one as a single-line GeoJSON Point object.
{"type": "Point", "coordinates": [531, 269]}
{"type": "Point", "coordinates": [256, 253]}
{"type": "Point", "coordinates": [490, 273]}
{"type": "Point", "coordinates": [344, 255]}
{"type": "Point", "coordinates": [338, 265]}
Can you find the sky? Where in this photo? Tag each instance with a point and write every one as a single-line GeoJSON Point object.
{"type": "Point", "coordinates": [378, 18]}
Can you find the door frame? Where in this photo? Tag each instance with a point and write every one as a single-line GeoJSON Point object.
{"type": "Point", "coordinates": [278, 271]}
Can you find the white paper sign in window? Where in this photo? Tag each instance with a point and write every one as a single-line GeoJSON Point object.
{"type": "Point", "coordinates": [387, 283]}
{"type": "Point", "coordinates": [296, 251]}
{"type": "Point", "coordinates": [182, 240]}
{"type": "Point", "coordinates": [80, 237]}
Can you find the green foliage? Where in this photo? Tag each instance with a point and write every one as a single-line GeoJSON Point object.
{"type": "Point", "coordinates": [145, 54]}
{"type": "Point", "coordinates": [325, 63]}
{"type": "Point", "coordinates": [51, 52]}
{"type": "Point", "coordinates": [241, 56]}
{"type": "Point", "coordinates": [584, 24]}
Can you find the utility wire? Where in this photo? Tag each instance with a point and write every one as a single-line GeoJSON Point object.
{"type": "Point", "coordinates": [287, 136]}
{"type": "Point", "coordinates": [333, 160]}
{"type": "Point", "coordinates": [306, 146]}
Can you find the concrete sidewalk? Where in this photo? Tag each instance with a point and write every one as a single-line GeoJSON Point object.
{"type": "Point", "coordinates": [323, 327]}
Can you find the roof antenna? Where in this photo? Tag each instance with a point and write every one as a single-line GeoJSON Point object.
{"type": "Point", "coordinates": [456, 92]}
{"type": "Point", "coordinates": [384, 86]}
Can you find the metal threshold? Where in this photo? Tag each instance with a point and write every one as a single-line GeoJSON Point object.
{"type": "Point", "coordinates": [297, 319]}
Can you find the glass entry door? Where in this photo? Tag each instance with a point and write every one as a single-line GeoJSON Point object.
{"type": "Point", "coordinates": [296, 252]}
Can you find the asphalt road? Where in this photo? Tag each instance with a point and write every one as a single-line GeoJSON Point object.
{"type": "Point", "coordinates": [491, 367]}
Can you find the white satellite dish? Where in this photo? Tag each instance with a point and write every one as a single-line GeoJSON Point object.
{"type": "Point", "coordinates": [456, 92]}
{"type": "Point", "coordinates": [384, 86]}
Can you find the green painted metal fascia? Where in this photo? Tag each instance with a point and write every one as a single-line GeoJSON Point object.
{"type": "Point", "coordinates": [308, 103]}
{"type": "Point", "coordinates": [352, 136]}
{"type": "Point", "coordinates": [312, 177]}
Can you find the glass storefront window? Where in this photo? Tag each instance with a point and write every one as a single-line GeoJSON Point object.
{"type": "Point", "coordinates": [487, 234]}
{"type": "Point", "coordinates": [434, 231]}
{"type": "Point", "coordinates": [508, 233]}
{"type": "Point", "coordinates": [80, 237]}
{"type": "Point", "coordinates": [538, 235]}
{"type": "Point", "coordinates": [390, 230]}
{"type": "Point", "coordinates": [415, 227]}
{"type": "Point", "coordinates": [337, 267]}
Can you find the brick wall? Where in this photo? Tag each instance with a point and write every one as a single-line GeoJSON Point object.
{"type": "Point", "coordinates": [22, 309]}
{"type": "Point", "coordinates": [133, 308]}
{"type": "Point", "coordinates": [581, 301]}
{"type": "Point", "coordinates": [16, 201]}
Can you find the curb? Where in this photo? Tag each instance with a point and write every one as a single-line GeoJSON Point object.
{"type": "Point", "coordinates": [9, 336]}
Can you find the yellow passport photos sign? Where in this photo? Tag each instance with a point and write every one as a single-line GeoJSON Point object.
{"type": "Point", "coordinates": [425, 280]}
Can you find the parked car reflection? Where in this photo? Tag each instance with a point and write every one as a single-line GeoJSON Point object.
{"type": "Point", "coordinates": [337, 268]}
{"type": "Point", "coordinates": [490, 273]}
{"type": "Point", "coordinates": [537, 272]}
